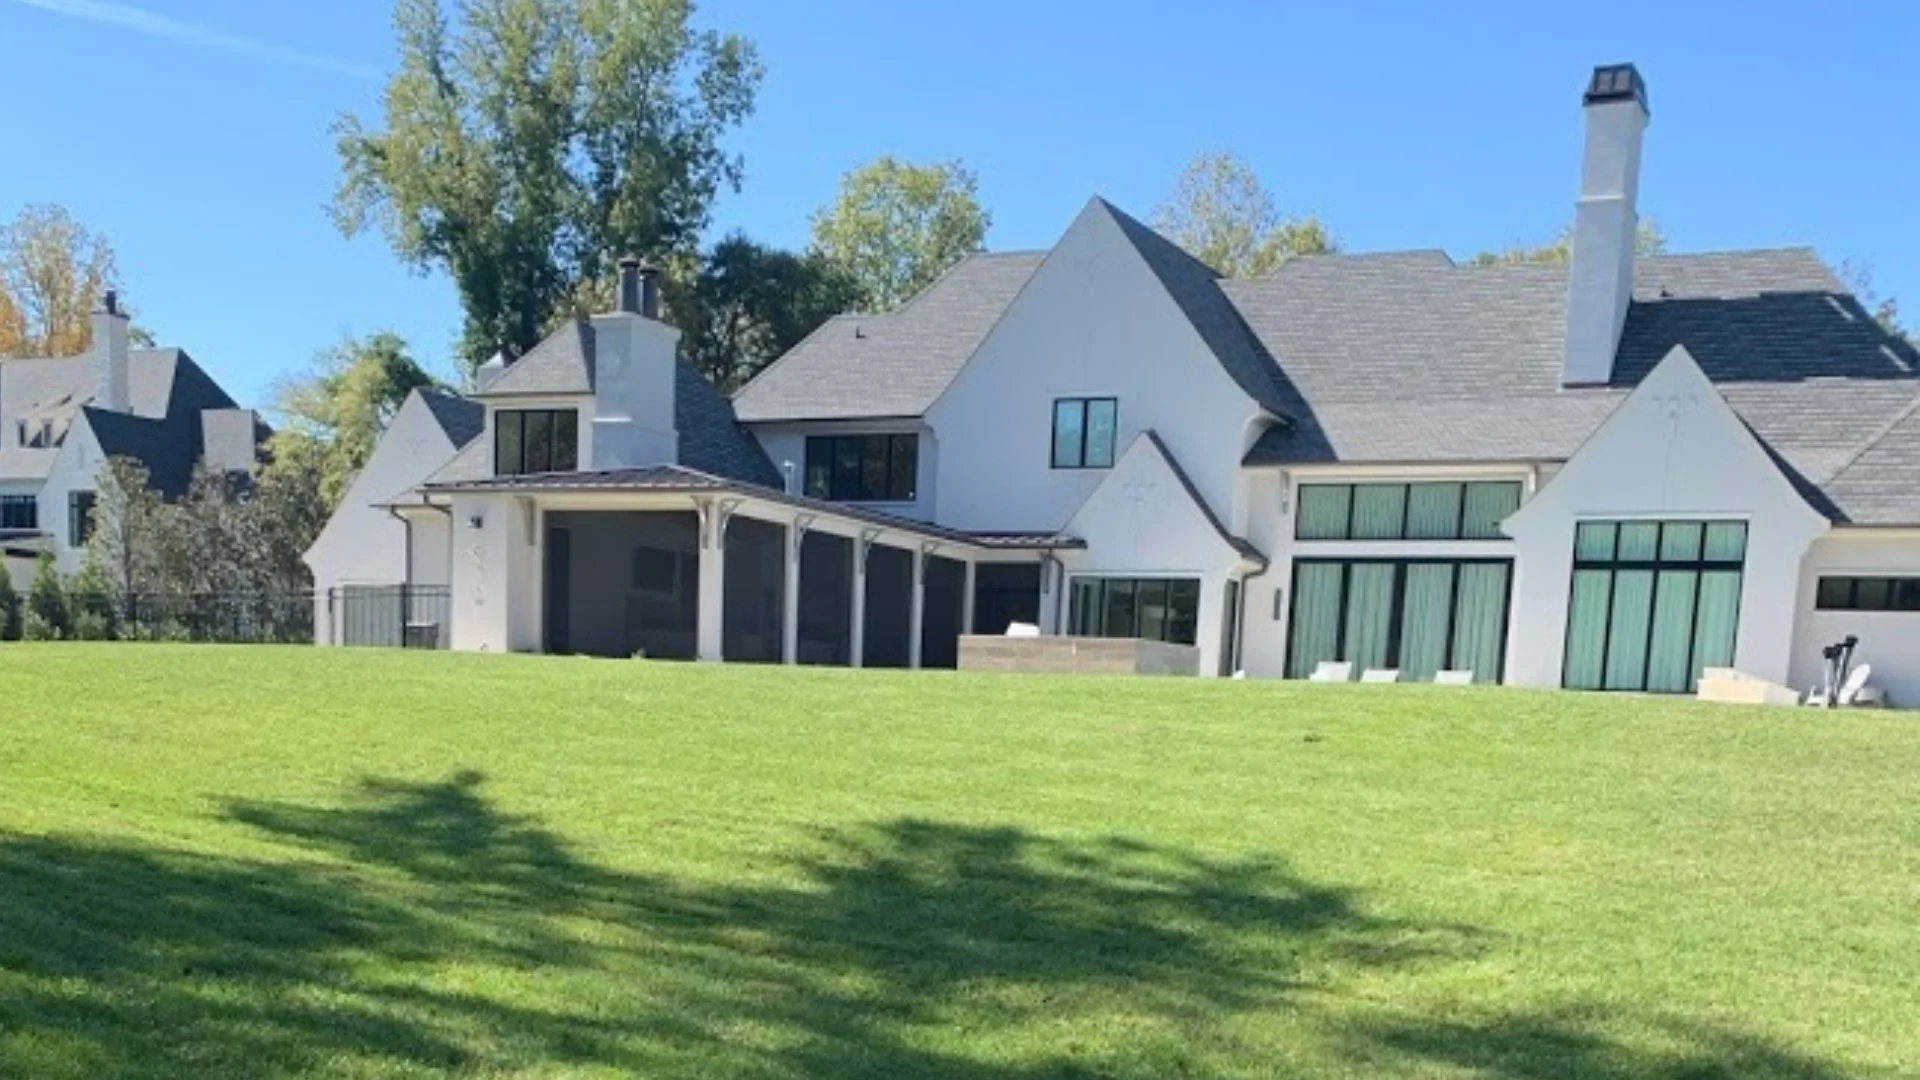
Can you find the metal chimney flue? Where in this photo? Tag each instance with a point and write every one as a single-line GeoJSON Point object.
{"type": "Point", "coordinates": [629, 301]}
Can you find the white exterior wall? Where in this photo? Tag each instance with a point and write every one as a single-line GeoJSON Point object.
{"type": "Point", "coordinates": [1093, 321]}
{"type": "Point", "coordinates": [1270, 497]}
{"type": "Point", "coordinates": [1889, 640]}
{"type": "Point", "coordinates": [362, 543]}
{"type": "Point", "coordinates": [1141, 523]}
{"type": "Point", "coordinates": [495, 578]}
{"type": "Point", "coordinates": [633, 406]}
{"type": "Point", "coordinates": [788, 442]}
{"type": "Point", "coordinates": [1673, 450]}
{"type": "Point", "coordinates": [76, 467]}
{"type": "Point", "coordinates": [430, 547]}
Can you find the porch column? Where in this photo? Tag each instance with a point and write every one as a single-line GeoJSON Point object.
{"type": "Point", "coordinates": [966, 598]}
{"type": "Point", "coordinates": [709, 627]}
{"type": "Point", "coordinates": [917, 621]}
{"type": "Point", "coordinates": [790, 601]}
{"type": "Point", "coordinates": [858, 645]}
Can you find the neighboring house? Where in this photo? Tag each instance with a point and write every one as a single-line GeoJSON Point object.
{"type": "Point", "coordinates": [61, 418]}
{"type": "Point", "coordinates": [1607, 475]}
{"type": "Point", "coordinates": [365, 544]}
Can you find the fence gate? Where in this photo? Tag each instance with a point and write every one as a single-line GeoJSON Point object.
{"type": "Point", "coordinates": [393, 616]}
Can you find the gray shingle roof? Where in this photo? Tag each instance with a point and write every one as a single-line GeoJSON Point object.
{"type": "Point", "coordinates": [1405, 361]}
{"type": "Point", "coordinates": [711, 439]}
{"type": "Point", "coordinates": [677, 478]}
{"type": "Point", "coordinates": [167, 392]}
{"type": "Point", "coordinates": [461, 418]}
{"type": "Point", "coordinates": [894, 364]}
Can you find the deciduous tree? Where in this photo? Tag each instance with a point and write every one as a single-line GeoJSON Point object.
{"type": "Point", "coordinates": [527, 144]}
{"type": "Point", "coordinates": [1648, 240]}
{"type": "Point", "coordinates": [1224, 216]}
{"type": "Point", "coordinates": [896, 226]}
{"type": "Point", "coordinates": [332, 416]}
{"type": "Point", "coordinates": [748, 303]}
{"type": "Point", "coordinates": [52, 272]}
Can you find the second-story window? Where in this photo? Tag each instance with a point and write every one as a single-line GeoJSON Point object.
{"type": "Point", "coordinates": [535, 441]}
{"type": "Point", "coordinates": [863, 468]}
{"type": "Point", "coordinates": [1084, 431]}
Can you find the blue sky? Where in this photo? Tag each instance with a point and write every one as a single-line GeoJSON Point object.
{"type": "Point", "coordinates": [194, 132]}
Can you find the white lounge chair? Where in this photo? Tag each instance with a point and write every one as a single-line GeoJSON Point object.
{"type": "Point", "coordinates": [1332, 671]}
{"type": "Point", "coordinates": [1453, 678]}
{"type": "Point", "coordinates": [1380, 675]}
{"type": "Point", "coordinates": [1022, 629]}
{"type": "Point", "coordinates": [1853, 692]}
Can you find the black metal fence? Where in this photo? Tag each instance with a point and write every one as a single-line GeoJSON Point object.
{"type": "Point", "coordinates": [395, 616]}
{"type": "Point", "coordinates": [254, 618]}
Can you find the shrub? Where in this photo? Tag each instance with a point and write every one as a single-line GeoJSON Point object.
{"type": "Point", "coordinates": [9, 606]}
{"type": "Point", "coordinates": [48, 618]}
{"type": "Point", "coordinates": [91, 604]}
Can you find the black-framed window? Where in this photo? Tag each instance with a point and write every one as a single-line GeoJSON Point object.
{"type": "Point", "coordinates": [1436, 510]}
{"type": "Point", "coordinates": [535, 441]}
{"type": "Point", "coordinates": [1155, 609]}
{"type": "Point", "coordinates": [864, 468]}
{"type": "Point", "coordinates": [19, 512]}
{"type": "Point", "coordinates": [1868, 594]}
{"type": "Point", "coordinates": [79, 518]}
{"type": "Point", "coordinates": [1415, 616]}
{"type": "Point", "coordinates": [1653, 604]}
{"type": "Point", "coordinates": [1084, 430]}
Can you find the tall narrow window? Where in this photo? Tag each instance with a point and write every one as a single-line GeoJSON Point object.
{"type": "Point", "coordinates": [1084, 431]}
{"type": "Point", "coordinates": [79, 518]}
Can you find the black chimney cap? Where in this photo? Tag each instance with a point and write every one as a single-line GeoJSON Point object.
{"type": "Point", "coordinates": [629, 262]}
{"type": "Point", "coordinates": [1617, 82]}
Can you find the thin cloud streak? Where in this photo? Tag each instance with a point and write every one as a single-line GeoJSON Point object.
{"type": "Point", "coordinates": [139, 21]}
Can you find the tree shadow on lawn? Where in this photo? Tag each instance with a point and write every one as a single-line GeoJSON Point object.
{"type": "Point", "coordinates": [419, 928]}
{"type": "Point", "coordinates": [1569, 1045]}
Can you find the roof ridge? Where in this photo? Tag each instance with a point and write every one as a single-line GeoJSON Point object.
{"type": "Point", "coordinates": [1880, 435]}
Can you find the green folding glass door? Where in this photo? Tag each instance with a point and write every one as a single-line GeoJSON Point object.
{"type": "Point", "coordinates": [1654, 603]}
{"type": "Point", "coordinates": [1417, 616]}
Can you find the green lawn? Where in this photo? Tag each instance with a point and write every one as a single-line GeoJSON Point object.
{"type": "Point", "coordinates": [254, 862]}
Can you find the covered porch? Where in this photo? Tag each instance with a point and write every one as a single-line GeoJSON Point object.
{"type": "Point", "coordinates": [685, 566]}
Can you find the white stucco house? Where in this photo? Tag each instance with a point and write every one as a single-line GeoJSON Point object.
{"type": "Point", "coordinates": [1603, 475]}
{"type": "Point", "coordinates": [61, 418]}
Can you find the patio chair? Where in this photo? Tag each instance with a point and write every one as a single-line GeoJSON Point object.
{"type": "Point", "coordinates": [1453, 678]}
{"type": "Point", "coordinates": [1331, 671]}
{"type": "Point", "coordinates": [1380, 675]}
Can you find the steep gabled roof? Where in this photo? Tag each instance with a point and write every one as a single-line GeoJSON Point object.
{"type": "Point", "coordinates": [1196, 288]}
{"type": "Point", "coordinates": [561, 364]}
{"type": "Point", "coordinates": [167, 449]}
{"type": "Point", "coordinates": [894, 364]}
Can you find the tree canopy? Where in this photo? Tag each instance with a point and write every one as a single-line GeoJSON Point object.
{"type": "Point", "coordinates": [528, 144]}
{"type": "Point", "coordinates": [332, 416]}
{"type": "Point", "coordinates": [895, 226]}
{"type": "Point", "coordinates": [1648, 240]}
{"type": "Point", "coordinates": [747, 303]}
{"type": "Point", "coordinates": [1222, 215]}
{"type": "Point", "coordinates": [52, 272]}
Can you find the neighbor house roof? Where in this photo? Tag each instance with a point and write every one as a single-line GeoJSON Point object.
{"type": "Point", "coordinates": [167, 392]}
{"type": "Point", "coordinates": [656, 479]}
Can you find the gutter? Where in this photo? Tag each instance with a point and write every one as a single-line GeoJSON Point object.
{"type": "Point", "coordinates": [1240, 622]}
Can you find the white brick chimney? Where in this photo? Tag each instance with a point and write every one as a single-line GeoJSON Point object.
{"type": "Point", "coordinates": [634, 375]}
{"type": "Point", "coordinates": [1606, 224]}
{"type": "Point", "coordinates": [109, 356]}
